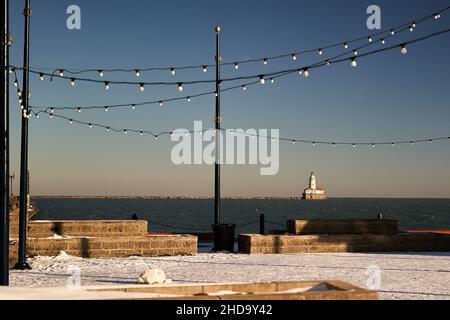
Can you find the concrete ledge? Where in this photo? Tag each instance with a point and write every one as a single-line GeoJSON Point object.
{"type": "Point", "coordinates": [293, 290]}
{"type": "Point", "coordinates": [258, 244]}
{"type": "Point", "coordinates": [146, 246]}
{"type": "Point", "coordinates": [349, 226]}
{"type": "Point", "coordinates": [87, 228]}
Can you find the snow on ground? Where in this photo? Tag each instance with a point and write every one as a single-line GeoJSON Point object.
{"type": "Point", "coordinates": [402, 276]}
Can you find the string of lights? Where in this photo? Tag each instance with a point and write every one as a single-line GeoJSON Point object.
{"type": "Point", "coordinates": [411, 25]}
{"type": "Point", "coordinates": [262, 79]}
{"type": "Point", "coordinates": [180, 85]}
{"type": "Point", "coordinates": [156, 135]}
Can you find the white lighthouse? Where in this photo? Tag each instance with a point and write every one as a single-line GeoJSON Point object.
{"type": "Point", "coordinates": [312, 181]}
{"type": "Point", "coordinates": [313, 192]}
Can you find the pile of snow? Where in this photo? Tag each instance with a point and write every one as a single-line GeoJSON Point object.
{"type": "Point", "coordinates": [153, 276]}
{"type": "Point", "coordinates": [59, 237]}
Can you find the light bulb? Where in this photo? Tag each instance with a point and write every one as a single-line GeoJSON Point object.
{"type": "Point", "coordinates": [72, 82]}
{"type": "Point", "coordinates": [244, 88]}
{"type": "Point", "coordinates": [141, 133]}
{"type": "Point", "coordinates": [346, 45]}
{"type": "Point", "coordinates": [262, 80]}
{"type": "Point", "coordinates": [265, 61]}
{"type": "Point", "coordinates": [189, 99]}
{"type": "Point", "coordinates": [294, 57]}
{"type": "Point", "coordinates": [383, 41]}
{"type": "Point", "coordinates": [411, 143]}
{"type": "Point", "coordinates": [314, 144]}
{"type": "Point", "coordinates": [61, 73]}
{"type": "Point", "coordinates": [70, 121]}
{"type": "Point", "coordinates": [79, 109]}
{"type": "Point", "coordinates": [11, 70]}
{"type": "Point", "coordinates": [133, 106]}
{"type": "Point", "coordinates": [107, 86]}
{"type": "Point", "coordinates": [306, 73]}
{"type": "Point", "coordinates": [354, 64]}
{"type": "Point", "coordinates": [354, 145]}
{"type": "Point", "coordinates": [16, 83]}
{"type": "Point", "coordinates": [411, 28]}
{"type": "Point", "coordinates": [107, 129]}
{"type": "Point", "coordinates": [437, 16]}
{"type": "Point", "coordinates": [431, 141]}
{"type": "Point", "coordinates": [300, 72]}
{"type": "Point", "coordinates": [293, 141]}
{"type": "Point", "coordinates": [156, 137]}
{"type": "Point", "coordinates": [52, 110]}
{"type": "Point", "coordinates": [413, 25]}
{"type": "Point", "coordinates": [333, 145]}
{"type": "Point", "coordinates": [392, 32]}
{"type": "Point", "coordinates": [236, 66]}
{"type": "Point", "coordinates": [125, 131]}
{"type": "Point", "coordinates": [90, 125]}
{"type": "Point", "coordinates": [172, 71]}
{"type": "Point", "coordinates": [51, 116]}
{"type": "Point", "coordinates": [328, 62]}
{"type": "Point", "coordinates": [41, 76]}
{"type": "Point", "coordinates": [355, 52]}
{"type": "Point", "coordinates": [205, 69]}
{"type": "Point", "coordinates": [320, 52]}
{"type": "Point", "coordinates": [160, 103]}
{"type": "Point", "coordinates": [106, 109]}
{"type": "Point", "coordinates": [373, 145]}
{"type": "Point", "coordinates": [138, 73]}
{"type": "Point", "coordinates": [404, 50]}
{"type": "Point", "coordinates": [180, 87]}
{"type": "Point", "coordinates": [393, 144]}
{"type": "Point", "coordinates": [100, 73]}
{"type": "Point", "coordinates": [272, 80]}
{"type": "Point", "coordinates": [142, 87]}
{"type": "Point", "coordinates": [370, 39]}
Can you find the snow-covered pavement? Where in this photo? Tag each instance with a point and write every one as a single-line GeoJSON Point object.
{"type": "Point", "coordinates": [398, 276]}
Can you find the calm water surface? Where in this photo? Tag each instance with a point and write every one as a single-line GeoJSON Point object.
{"type": "Point", "coordinates": [198, 215]}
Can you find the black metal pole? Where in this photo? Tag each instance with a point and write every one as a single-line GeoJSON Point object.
{"type": "Point", "coordinates": [218, 121]}
{"type": "Point", "coordinates": [4, 146]}
{"type": "Point", "coordinates": [261, 224]}
{"type": "Point", "coordinates": [11, 177]}
{"type": "Point", "coordinates": [23, 210]}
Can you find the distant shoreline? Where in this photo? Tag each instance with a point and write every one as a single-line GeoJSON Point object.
{"type": "Point", "coordinates": [162, 198]}
{"type": "Point", "coordinates": [209, 198]}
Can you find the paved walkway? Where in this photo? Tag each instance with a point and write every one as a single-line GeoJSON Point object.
{"type": "Point", "coordinates": [397, 276]}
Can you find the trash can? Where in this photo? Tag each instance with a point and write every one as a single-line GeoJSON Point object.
{"type": "Point", "coordinates": [223, 237]}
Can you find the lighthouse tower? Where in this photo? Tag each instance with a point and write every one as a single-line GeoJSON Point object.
{"type": "Point", "coordinates": [312, 181]}
{"type": "Point", "coordinates": [313, 192]}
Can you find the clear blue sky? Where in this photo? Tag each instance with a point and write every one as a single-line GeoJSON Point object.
{"type": "Point", "coordinates": [389, 96]}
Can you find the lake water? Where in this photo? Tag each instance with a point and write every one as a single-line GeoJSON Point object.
{"type": "Point", "coordinates": [198, 215]}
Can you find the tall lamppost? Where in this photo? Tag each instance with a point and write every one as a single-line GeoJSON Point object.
{"type": "Point", "coordinates": [23, 209]}
{"type": "Point", "coordinates": [6, 41]}
{"type": "Point", "coordinates": [223, 234]}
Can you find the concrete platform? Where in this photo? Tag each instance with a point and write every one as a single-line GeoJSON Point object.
{"type": "Point", "coordinates": [292, 290]}
{"type": "Point", "coordinates": [269, 244]}
{"type": "Point", "coordinates": [85, 228]}
{"type": "Point", "coordinates": [343, 226]}
{"type": "Point", "coordinates": [107, 247]}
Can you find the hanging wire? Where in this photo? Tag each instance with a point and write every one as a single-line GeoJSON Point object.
{"type": "Point", "coordinates": [346, 44]}
{"type": "Point", "coordinates": [393, 143]}
{"type": "Point", "coordinates": [266, 77]}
